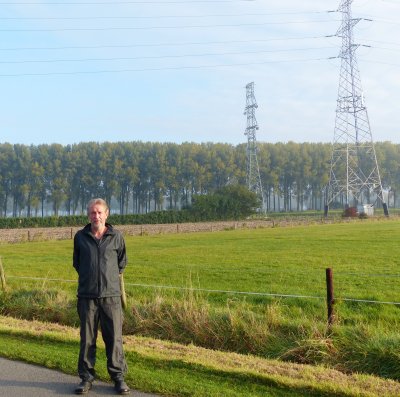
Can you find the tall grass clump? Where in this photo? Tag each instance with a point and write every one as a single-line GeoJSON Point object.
{"type": "Point", "coordinates": [235, 326]}
{"type": "Point", "coordinates": [315, 346]}
{"type": "Point", "coordinates": [50, 305]}
{"type": "Point", "coordinates": [369, 349]}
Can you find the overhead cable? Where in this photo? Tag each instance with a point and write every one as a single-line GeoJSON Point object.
{"type": "Point", "coordinates": [159, 44]}
{"type": "Point", "coordinates": [162, 27]}
{"type": "Point", "coordinates": [123, 2]}
{"type": "Point", "coordinates": [160, 16]}
{"type": "Point", "coordinates": [160, 56]}
{"type": "Point", "coordinates": [158, 69]}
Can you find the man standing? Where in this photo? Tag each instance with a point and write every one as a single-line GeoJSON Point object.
{"type": "Point", "coordinates": [99, 258]}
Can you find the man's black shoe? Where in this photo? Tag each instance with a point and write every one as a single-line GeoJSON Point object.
{"type": "Point", "coordinates": [121, 387]}
{"type": "Point", "coordinates": [83, 387]}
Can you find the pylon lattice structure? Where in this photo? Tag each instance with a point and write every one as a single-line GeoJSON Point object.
{"type": "Point", "coordinates": [354, 172]}
{"type": "Point", "coordinates": [252, 168]}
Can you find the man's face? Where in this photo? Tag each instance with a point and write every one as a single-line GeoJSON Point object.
{"type": "Point", "coordinates": [98, 215]}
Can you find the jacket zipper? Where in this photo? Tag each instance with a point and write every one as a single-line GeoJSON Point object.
{"type": "Point", "coordinates": [98, 269]}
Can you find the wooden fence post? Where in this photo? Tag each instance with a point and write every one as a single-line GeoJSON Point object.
{"type": "Point", "coordinates": [2, 276]}
{"type": "Point", "coordinates": [330, 300]}
{"type": "Point", "coordinates": [123, 293]}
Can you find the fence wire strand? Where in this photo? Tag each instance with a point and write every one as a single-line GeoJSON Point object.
{"type": "Point", "coordinates": [251, 293]}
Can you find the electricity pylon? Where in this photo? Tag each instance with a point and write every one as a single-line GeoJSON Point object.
{"type": "Point", "coordinates": [252, 168]}
{"type": "Point", "coordinates": [354, 172]}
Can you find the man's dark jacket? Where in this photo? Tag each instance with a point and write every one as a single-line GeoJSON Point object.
{"type": "Point", "coordinates": [99, 263]}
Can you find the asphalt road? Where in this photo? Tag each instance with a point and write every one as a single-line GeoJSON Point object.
{"type": "Point", "coordinates": [18, 379]}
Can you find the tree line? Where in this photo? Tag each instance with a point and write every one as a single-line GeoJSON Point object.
{"type": "Point", "coordinates": [140, 177]}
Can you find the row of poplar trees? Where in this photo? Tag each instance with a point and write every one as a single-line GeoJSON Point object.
{"type": "Point", "coordinates": [142, 176]}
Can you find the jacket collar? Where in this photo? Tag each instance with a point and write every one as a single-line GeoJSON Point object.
{"type": "Point", "coordinates": [110, 228]}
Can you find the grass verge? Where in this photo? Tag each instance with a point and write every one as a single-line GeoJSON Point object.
{"type": "Point", "coordinates": [172, 369]}
{"type": "Point", "coordinates": [269, 332]}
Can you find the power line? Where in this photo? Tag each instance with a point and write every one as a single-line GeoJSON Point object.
{"type": "Point", "coordinates": [372, 18]}
{"type": "Point", "coordinates": [161, 56]}
{"type": "Point", "coordinates": [382, 42]}
{"type": "Point", "coordinates": [163, 27]}
{"type": "Point", "coordinates": [158, 69]}
{"type": "Point", "coordinates": [125, 2]}
{"type": "Point", "coordinates": [387, 49]}
{"type": "Point", "coordinates": [159, 16]}
{"type": "Point", "coordinates": [159, 44]}
{"type": "Point", "coordinates": [391, 1]}
{"type": "Point", "coordinates": [381, 63]}
{"type": "Point", "coordinates": [389, 21]}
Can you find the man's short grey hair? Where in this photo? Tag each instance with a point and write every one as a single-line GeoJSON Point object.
{"type": "Point", "coordinates": [96, 201]}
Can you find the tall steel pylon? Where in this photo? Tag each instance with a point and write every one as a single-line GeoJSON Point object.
{"type": "Point", "coordinates": [354, 172]}
{"type": "Point", "coordinates": [252, 168]}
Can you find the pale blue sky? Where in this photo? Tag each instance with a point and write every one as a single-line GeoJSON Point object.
{"type": "Point", "coordinates": [176, 71]}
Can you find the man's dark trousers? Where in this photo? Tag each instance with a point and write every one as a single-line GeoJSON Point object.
{"type": "Point", "coordinates": [108, 313]}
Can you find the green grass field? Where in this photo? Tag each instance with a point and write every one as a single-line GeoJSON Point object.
{"type": "Point", "coordinates": [364, 256]}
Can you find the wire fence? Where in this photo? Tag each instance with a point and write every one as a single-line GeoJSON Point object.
{"type": "Point", "coordinates": [222, 291]}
